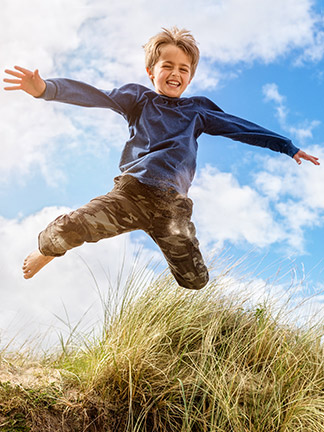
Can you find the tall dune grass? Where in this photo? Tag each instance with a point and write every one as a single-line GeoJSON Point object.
{"type": "Point", "coordinates": [169, 359]}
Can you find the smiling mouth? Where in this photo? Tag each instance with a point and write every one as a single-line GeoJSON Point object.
{"type": "Point", "coordinates": [174, 84]}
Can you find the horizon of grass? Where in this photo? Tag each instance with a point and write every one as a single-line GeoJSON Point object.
{"type": "Point", "coordinates": [173, 360]}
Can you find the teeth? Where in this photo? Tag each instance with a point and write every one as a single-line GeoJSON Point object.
{"type": "Point", "coordinates": [173, 83]}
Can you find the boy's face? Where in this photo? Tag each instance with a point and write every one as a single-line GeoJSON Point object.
{"type": "Point", "coordinates": [171, 75]}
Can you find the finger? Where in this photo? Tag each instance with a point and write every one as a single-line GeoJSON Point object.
{"type": "Point", "coordinates": [305, 156]}
{"type": "Point", "coordinates": [23, 70]}
{"type": "Point", "coordinates": [12, 88]}
{"type": "Point", "coordinates": [310, 158]}
{"type": "Point", "coordinates": [12, 81]}
{"type": "Point", "coordinates": [296, 158]}
{"type": "Point", "coordinates": [315, 161]}
{"type": "Point", "coordinates": [37, 75]}
{"type": "Point", "coordinates": [14, 73]}
{"type": "Point", "coordinates": [314, 157]}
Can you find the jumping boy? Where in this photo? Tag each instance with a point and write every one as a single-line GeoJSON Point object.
{"type": "Point", "coordinates": [158, 161]}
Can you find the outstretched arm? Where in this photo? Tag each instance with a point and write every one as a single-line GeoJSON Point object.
{"type": "Point", "coordinates": [25, 80]}
{"type": "Point", "coordinates": [302, 155]}
{"type": "Point", "coordinates": [217, 122]}
{"type": "Point", "coordinates": [122, 100]}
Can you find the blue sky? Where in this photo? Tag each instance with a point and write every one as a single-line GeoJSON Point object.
{"type": "Point", "coordinates": [261, 60]}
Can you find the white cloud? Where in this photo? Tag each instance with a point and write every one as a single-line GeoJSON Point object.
{"type": "Point", "coordinates": [228, 31]}
{"type": "Point", "coordinates": [227, 211]}
{"type": "Point", "coordinates": [315, 51]}
{"type": "Point", "coordinates": [271, 93]}
{"type": "Point", "coordinates": [281, 177]}
{"type": "Point", "coordinates": [254, 29]}
{"type": "Point", "coordinates": [32, 34]}
{"type": "Point", "coordinates": [28, 306]}
{"type": "Point", "coordinates": [285, 202]}
{"type": "Point", "coordinates": [295, 193]}
{"type": "Point", "coordinates": [303, 131]}
{"type": "Point", "coordinates": [29, 135]}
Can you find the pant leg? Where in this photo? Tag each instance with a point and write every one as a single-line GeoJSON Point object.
{"type": "Point", "coordinates": [121, 210]}
{"type": "Point", "coordinates": [128, 207]}
{"type": "Point", "coordinates": [175, 234]}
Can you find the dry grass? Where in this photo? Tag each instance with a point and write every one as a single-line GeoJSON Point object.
{"type": "Point", "coordinates": [174, 360]}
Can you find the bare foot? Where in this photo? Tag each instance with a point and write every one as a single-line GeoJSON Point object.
{"type": "Point", "coordinates": [35, 262]}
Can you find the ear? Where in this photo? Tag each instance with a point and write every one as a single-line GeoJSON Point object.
{"type": "Point", "coordinates": [150, 73]}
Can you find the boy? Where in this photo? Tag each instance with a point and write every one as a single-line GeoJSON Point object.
{"type": "Point", "coordinates": [158, 161]}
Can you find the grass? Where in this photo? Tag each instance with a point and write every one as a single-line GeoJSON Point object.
{"type": "Point", "coordinates": [173, 360]}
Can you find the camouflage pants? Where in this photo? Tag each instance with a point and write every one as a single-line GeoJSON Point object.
{"type": "Point", "coordinates": [130, 206]}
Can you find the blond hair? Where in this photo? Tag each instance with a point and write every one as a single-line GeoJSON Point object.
{"type": "Point", "coordinates": [180, 38]}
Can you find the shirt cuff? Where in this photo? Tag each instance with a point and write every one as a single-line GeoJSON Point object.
{"type": "Point", "coordinates": [292, 150]}
{"type": "Point", "coordinates": [50, 91]}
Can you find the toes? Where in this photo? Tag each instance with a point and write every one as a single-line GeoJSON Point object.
{"type": "Point", "coordinates": [26, 270]}
{"type": "Point", "coordinates": [25, 267]}
{"type": "Point", "coordinates": [26, 274]}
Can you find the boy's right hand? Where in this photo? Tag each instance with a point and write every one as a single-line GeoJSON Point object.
{"type": "Point", "coordinates": [25, 80]}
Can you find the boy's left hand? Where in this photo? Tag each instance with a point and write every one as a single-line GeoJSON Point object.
{"type": "Point", "coordinates": [302, 155]}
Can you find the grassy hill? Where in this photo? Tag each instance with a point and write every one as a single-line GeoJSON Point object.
{"type": "Point", "coordinates": [169, 359]}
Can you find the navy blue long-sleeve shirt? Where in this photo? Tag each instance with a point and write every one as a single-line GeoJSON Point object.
{"type": "Point", "coordinates": [163, 131]}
